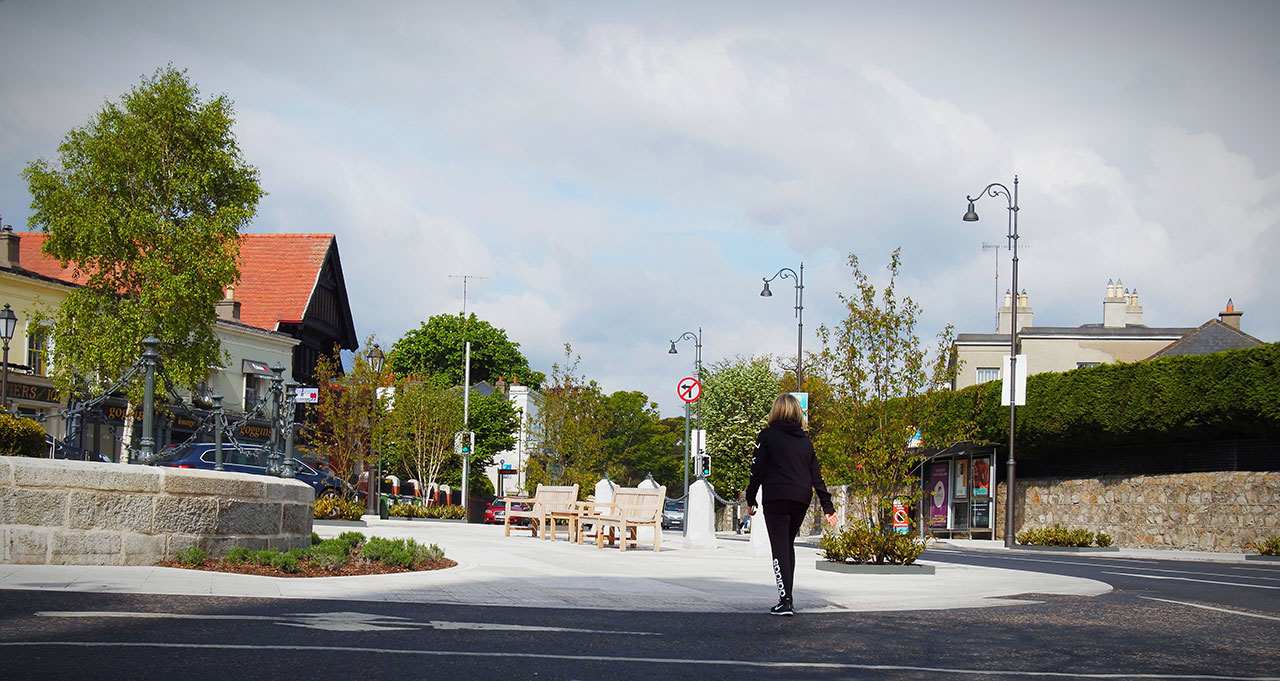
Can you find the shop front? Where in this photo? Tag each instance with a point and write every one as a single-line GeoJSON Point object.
{"type": "Point", "coordinates": [959, 491]}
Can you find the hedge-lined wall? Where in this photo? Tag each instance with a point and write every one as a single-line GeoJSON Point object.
{"type": "Point", "coordinates": [1173, 399]}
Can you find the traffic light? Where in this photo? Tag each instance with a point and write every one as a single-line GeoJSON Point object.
{"type": "Point", "coordinates": [704, 465]}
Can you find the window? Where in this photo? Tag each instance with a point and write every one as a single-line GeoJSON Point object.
{"type": "Point", "coordinates": [987, 374]}
{"type": "Point", "coordinates": [37, 349]}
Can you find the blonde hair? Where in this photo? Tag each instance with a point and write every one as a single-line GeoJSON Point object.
{"type": "Point", "coordinates": [786, 408]}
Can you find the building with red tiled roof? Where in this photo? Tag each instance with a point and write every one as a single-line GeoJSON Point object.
{"type": "Point", "coordinates": [289, 283]}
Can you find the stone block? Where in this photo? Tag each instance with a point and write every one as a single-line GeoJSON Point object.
{"type": "Point", "coordinates": [27, 546]}
{"type": "Point", "coordinates": [288, 542]}
{"type": "Point", "coordinates": [185, 515]}
{"type": "Point", "coordinates": [218, 546]}
{"type": "Point", "coordinates": [84, 475]}
{"type": "Point", "coordinates": [36, 507]}
{"type": "Point", "coordinates": [246, 517]}
{"type": "Point", "coordinates": [290, 490]}
{"type": "Point", "coordinates": [298, 519]}
{"type": "Point", "coordinates": [71, 547]}
{"type": "Point", "coordinates": [179, 542]}
{"type": "Point", "coordinates": [213, 483]}
{"type": "Point", "coordinates": [6, 471]}
{"type": "Point", "coordinates": [111, 511]}
{"type": "Point", "coordinates": [144, 549]}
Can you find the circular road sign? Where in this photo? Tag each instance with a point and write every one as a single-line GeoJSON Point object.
{"type": "Point", "coordinates": [689, 389]}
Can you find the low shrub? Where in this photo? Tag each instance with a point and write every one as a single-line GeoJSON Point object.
{"type": "Point", "coordinates": [21, 436]}
{"type": "Point", "coordinates": [337, 508]}
{"type": "Point", "coordinates": [407, 511]}
{"type": "Point", "coordinates": [864, 544]}
{"type": "Point", "coordinates": [191, 557]}
{"type": "Point", "coordinates": [315, 539]}
{"type": "Point", "coordinates": [1267, 547]}
{"type": "Point", "coordinates": [1062, 536]}
{"type": "Point", "coordinates": [450, 512]}
{"type": "Point", "coordinates": [237, 555]}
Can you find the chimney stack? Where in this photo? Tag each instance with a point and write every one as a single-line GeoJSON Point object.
{"type": "Point", "coordinates": [1230, 316]}
{"type": "Point", "coordinates": [9, 247]}
{"type": "Point", "coordinates": [1006, 313]}
{"type": "Point", "coordinates": [229, 308]}
{"type": "Point", "coordinates": [1114, 314]}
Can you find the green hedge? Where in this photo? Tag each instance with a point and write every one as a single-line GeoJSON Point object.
{"type": "Point", "coordinates": [21, 437]}
{"type": "Point", "coordinates": [1173, 399]}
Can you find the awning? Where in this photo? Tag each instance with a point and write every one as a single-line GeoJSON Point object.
{"type": "Point", "coordinates": [253, 366]}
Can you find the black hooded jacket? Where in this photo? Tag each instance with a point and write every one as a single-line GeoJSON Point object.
{"type": "Point", "coordinates": [786, 465]}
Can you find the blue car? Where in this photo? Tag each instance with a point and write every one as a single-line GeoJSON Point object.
{"type": "Point", "coordinates": [247, 459]}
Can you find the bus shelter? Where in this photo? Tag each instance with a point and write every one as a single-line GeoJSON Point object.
{"type": "Point", "coordinates": [959, 485]}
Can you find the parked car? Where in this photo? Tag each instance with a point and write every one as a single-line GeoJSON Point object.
{"type": "Point", "coordinates": [673, 515]}
{"type": "Point", "coordinates": [247, 459]}
{"type": "Point", "coordinates": [497, 512]}
{"type": "Point", "coordinates": [64, 450]}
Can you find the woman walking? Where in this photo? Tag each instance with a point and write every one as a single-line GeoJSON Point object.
{"type": "Point", "coordinates": [785, 464]}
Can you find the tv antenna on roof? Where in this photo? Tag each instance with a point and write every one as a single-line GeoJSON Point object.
{"type": "Point", "coordinates": [464, 278]}
{"type": "Point", "coordinates": [995, 247]}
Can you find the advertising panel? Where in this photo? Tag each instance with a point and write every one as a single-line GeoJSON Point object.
{"type": "Point", "coordinates": [982, 478]}
{"type": "Point", "coordinates": [939, 475]}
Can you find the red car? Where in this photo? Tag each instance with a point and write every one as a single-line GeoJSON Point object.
{"type": "Point", "coordinates": [497, 512]}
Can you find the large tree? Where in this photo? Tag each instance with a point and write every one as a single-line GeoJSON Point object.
{"type": "Point", "coordinates": [736, 398]}
{"type": "Point", "coordinates": [639, 443]}
{"type": "Point", "coordinates": [418, 432]}
{"type": "Point", "coordinates": [146, 201]}
{"type": "Point", "coordinates": [877, 379]}
{"type": "Point", "coordinates": [568, 432]}
{"type": "Point", "coordinates": [347, 413]}
{"type": "Point", "coordinates": [436, 350]}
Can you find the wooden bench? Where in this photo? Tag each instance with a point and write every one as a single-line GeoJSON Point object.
{"type": "Point", "coordinates": [546, 500]}
{"type": "Point", "coordinates": [631, 508]}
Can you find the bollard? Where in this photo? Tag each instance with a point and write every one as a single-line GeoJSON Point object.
{"type": "Point", "coordinates": [383, 511]}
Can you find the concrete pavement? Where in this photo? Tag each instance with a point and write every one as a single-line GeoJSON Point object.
{"type": "Point", "coordinates": [529, 572]}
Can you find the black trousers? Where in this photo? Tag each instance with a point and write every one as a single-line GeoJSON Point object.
{"type": "Point", "coordinates": [782, 520]}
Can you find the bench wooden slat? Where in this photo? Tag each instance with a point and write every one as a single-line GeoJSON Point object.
{"type": "Point", "coordinates": [547, 499]}
{"type": "Point", "coordinates": [632, 508]}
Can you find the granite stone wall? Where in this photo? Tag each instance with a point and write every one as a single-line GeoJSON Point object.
{"type": "Point", "coordinates": [1220, 511]}
{"type": "Point", "coordinates": [88, 513]}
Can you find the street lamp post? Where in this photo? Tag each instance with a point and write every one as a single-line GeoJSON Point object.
{"type": "Point", "coordinates": [786, 273]}
{"type": "Point", "coordinates": [995, 189]}
{"type": "Point", "coordinates": [8, 324]}
{"type": "Point", "coordinates": [376, 358]}
{"type": "Point", "coordinates": [697, 355]}
{"type": "Point", "coordinates": [697, 360]}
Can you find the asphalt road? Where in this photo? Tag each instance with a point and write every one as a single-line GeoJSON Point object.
{"type": "Point", "coordinates": [1161, 624]}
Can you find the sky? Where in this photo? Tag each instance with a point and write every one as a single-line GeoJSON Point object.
{"type": "Point", "coordinates": [616, 174]}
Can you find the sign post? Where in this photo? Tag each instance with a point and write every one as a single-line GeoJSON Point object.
{"type": "Point", "coordinates": [689, 390]}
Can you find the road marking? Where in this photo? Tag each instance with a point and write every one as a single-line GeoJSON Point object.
{"type": "Point", "coordinates": [1188, 579]}
{"type": "Point", "coordinates": [339, 621]}
{"type": "Point", "coordinates": [1130, 564]}
{"type": "Point", "coordinates": [648, 660]}
{"type": "Point", "coordinates": [1209, 607]}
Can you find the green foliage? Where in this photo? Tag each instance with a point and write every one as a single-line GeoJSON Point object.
{"type": "Point", "coordinates": [736, 398]}
{"type": "Point", "coordinates": [864, 544]}
{"type": "Point", "coordinates": [418, 433]}
{"type": "Point", "coordinates": [146, 201]}
{"type": "Point", "coordinates": [446, 512]}
{"type": "Point", "coordinates": [495, 421]}
{"type": "Point", "coordinates": [1104, 540]}
{"type": "Point", "coordinates": [405, 553]}
{"type": "Point", "coordinates": [21, 436]}
{"type": "Point", "coordinates": [407, 511]}
{"type": "Point", "coordinates": [1267, 547]}
{"type": "Point", "coordinates": [1061, 536]}
{"type": "Point", "coordinates": [568, 433]}
{"type": "Point", "coordinates": [191, 557]}
{"type": "Point", "coordinates": [237, 555]}
{"type": "Point", "coordinates": [639, 443]}
{"type": "Point", "coordinates": [436, 350]}
{"type": "Point", "coordinates": [315, 539]}
{"type": "Point", "coordinates": [875, 382]}
{"type": "Point", "coordinates": [1172, 399]}
{"type": "Point", "coordinates": [346, 414]}
{"type": "Point", "coordinates": [337, 508]}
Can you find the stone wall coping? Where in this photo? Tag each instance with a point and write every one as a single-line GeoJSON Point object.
{"type": "Point", "coordinates": [31, 472]}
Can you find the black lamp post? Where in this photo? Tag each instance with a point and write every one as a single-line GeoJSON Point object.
{"type": "Point", "coordinates": [786, 273]}
{"type": "Point", "coordinates": [375, 357]}
{"type": "Point", "coordinates": [995, 189]}
{"type": "Point", "coordinates": [697, 339]}
{"type": "Point", "coordinates": [8, 324]}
